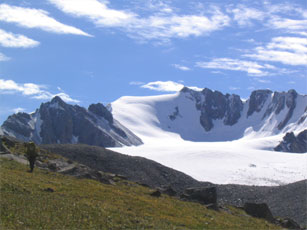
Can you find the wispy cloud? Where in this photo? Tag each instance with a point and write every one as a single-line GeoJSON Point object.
{"type": "Point", "coordinates": [136, 83]}
{"type": "Point", "coordinates": [96, 11]}
{"type": "Point", "coordinates": [157, 26]}
{"type": "Point", "coordinates": [3, 57]}
{"type": "Point", "coordinates": [251, 68]}
{"type": "Point", "coordinates": [32, 90]}
{"type": "Point", "coordinates": [287, 50]}
{"type": "Point", "coordinates": [18, 110]}
{"type": "Point", "coordinates": [164, 86]}
{"type": "Point", "coordinates": [167, 86]}
{"type": "Point", "coordinates": [181, 67]}
{"type": "Point", "coordinates": [8, 39]}
{"type": "Point", "coordinates": [36, 18]}
{"type": "Point", "coordinates": [244, 15]}
{"type": "Point", "coordinates": [295, 26]}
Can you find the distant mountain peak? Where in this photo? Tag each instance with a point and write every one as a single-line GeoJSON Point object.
{"type": "Point", "coordinates": [57, 99]}
{"type": "Point", "coordinates": [58, 122]}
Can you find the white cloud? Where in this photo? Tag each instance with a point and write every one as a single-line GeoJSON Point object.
{"type": "Point", "coordinates": [8, 39]}
{"type": "Point", "coordinates": [95, 10]}
{"type": "Point", "coordinates": [30, 89]}
{"type": "Point", "coordinates": [35, 18]}
{"type": "Point", "coordinates": [263, 81]}
{"type": "Point", "coordinates": [164, 86]}
{"type": "Point", "coordinates": [287, 50]}
{"type": "Point", "coordinates": [244, 15]}
{"type": "Point", "coordinates": [167, 86]}
{"type": "Point", "coordinates": [252, 68]}
{"type": "Point", "coordinates": [18, 110]}
{"type": "Point", "coordinates": [288, 24]}
{"type": "Point", "coordinates": [181, 67]}
{"type": "Point", "coordinates": [157, 26]}
{"type": "Point", "coordinates": [3, 57]}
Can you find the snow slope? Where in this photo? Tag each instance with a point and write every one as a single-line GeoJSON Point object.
{"type": "Point", "coordinates": [239, 154]}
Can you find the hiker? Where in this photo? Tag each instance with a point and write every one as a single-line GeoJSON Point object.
{"type": "Point", "coordinates": [31, 154]}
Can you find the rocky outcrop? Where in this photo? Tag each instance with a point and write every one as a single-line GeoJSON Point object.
{"type": "Point", "coordinates": [260, 210]}
{"type": "Point", "coordinates": [214, 105]}
{"type": "Point", "coordinates": [203, 195]}
{"type": "Point", "coordinates": [100, 110]}
{"type": "Point", "coordinates": [58, 122]}
{"type": "Point", "coordinates": [293, 144]}
{"type": "Point", "coordinates": [263, 106]}
{"type": "Point", "coordinates": [257, 101]}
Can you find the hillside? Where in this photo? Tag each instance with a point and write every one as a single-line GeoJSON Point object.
{"type": "Point", "coordinates": [284, 201]}
{"type": "Point", "coordinates": [49, 200]}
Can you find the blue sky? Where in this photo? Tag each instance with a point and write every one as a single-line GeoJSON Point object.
{"type": "Point", "coordinates": [89, 51]}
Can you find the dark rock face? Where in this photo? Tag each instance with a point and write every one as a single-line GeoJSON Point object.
{"type": "Point", "coordinates": [233, 110]}
{"type": "Point", "coordinates": [291, 103]}
{"type": "Point", "coordinates": [279, 102]}
{"type": "Point", "coordinates": [58, 122]}
{"type": "Point", "coordinates": [3, 148]}
{"type": "Point", "coordinates": [214, 105]}
{"type": "Point", "coordinates": [19, 123]}
{"type": "Point", "coordinates": [175, 114]}
{"type": "Point", "coordinates": [259, 210]}
{"type": "Point", "coordinates": [206, 195]}
{"type": "Point", "coordinates": [218, 106]}
{"type": "Point", "coordinates": [293, 144]}
{"type": "Point", "coordinates": [101, 111]}
{"type": "Point", "coordinates": [63, 122]}
{"type": "Point", "coordinates": [257, 100]}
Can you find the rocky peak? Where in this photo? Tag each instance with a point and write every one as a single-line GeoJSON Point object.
{"type": "Point", "coordinates": [100, 110]}
{"type": "Point", "coordinates": [291, 96]}
{"type": "Point", "coordinates": [186, 90]}
{"type": "Point", "coordinates": [18, 123]}
{"type": "Point", "coordinates": [292, 143]}
{"type": "Point", "coordinates": [257, 100]}
{"type": "Point", "coordinates": [58, 122]}
{"type": "Point", "coordinates": [57, 99]}
{"type": "Point", "coordinates": [219, 106]}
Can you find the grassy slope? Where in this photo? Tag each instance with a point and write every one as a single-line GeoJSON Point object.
{"type": "Point", "coordinates": [87, 204]}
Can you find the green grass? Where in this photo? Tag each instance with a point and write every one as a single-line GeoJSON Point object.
{"type": "Point", "coordinates": [88, 204]}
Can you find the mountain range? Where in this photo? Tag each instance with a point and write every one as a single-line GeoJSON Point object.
{"type": "Point", "coordinates": [205, 115]}
{"type": "Point", "coordinates": [206, 134]}
{"type": "Point", "coordinates": [209, 115]}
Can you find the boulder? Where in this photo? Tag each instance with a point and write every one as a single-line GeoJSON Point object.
{"type": "Point", "coordinates": [288, 223]}
{"type": "Point", "coordinates": [205, 196]}
{"type": "Point", "coordinates": [156, 193]}
{"type": "Point", "coordinates": [260, 210]}
{"type": "Point", "coordinates": [292, 143]}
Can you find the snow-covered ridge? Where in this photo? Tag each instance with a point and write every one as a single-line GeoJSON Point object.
{"type": "Point", "coordinates": [240, 153]}
{"type": "Point", "coordinates": [212, 116]}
